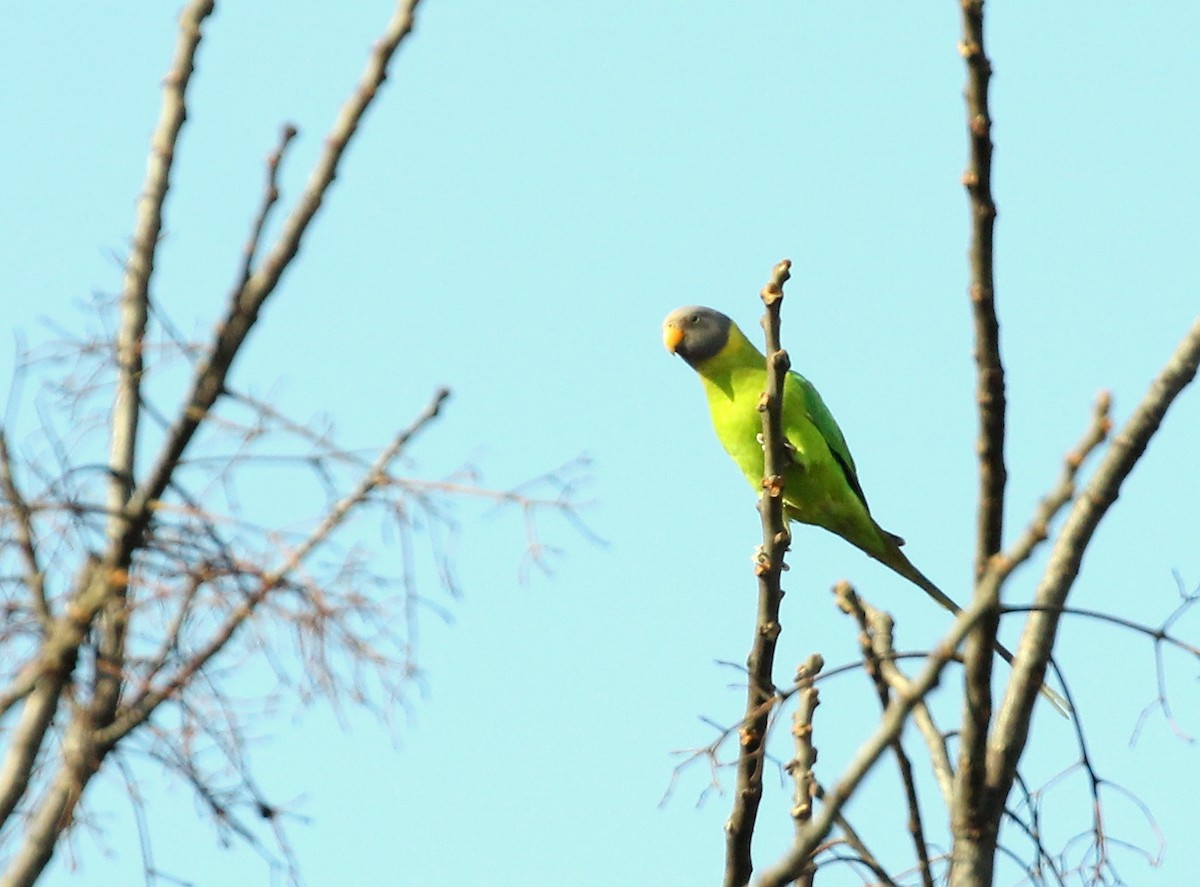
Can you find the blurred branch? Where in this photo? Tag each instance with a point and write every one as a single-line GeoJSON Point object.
{"type": "Point", "coordinates": [102, 588]}
{"type": "Point", "coordinates": [35, 579]}
{"type": "Point", "coordinates": [144, 705]}
{"type": "Point", "coordinates": [133, 312]}
{"type": "Point", "coordinates": [26, 738]}
{"type": "Point", "coordinates": [760, 689]}
{"type": "Point", "coordinates": [247, 301]}
{"type": "Point", "coordinates": [139, 267]}
{"type": "Point", "coordinates": [270, 198]}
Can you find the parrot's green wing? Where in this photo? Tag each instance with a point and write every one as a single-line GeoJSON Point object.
{"type": "Point", "coordinates": [822, 420]}
{"type": "Point", "coordinates": [818, 414]}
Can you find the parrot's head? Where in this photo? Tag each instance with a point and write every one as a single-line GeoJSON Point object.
{"type": "Point", "coordinates": [696, 333]}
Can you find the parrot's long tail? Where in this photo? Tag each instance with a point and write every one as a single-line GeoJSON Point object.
{"type": "Point", "coordinates": [896, 560]}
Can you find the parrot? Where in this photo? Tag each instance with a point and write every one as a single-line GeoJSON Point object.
{"type": "Point", "coordinates": [821, 486]}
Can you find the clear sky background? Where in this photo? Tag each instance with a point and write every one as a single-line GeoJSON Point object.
{"type": "Point", "coordinates": [538, 186]}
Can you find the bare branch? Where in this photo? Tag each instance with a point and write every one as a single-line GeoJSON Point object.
{"type": "Point", "coordinates": [973, 811]}
{"type": "Point", "coordinates": [801, 766]}
{"type": "Point", "coordinates": [1037, 642]}
{"type": "Point", "coordinates": [1064, 490]}
{"type": "Point", "coordinates": [970, 832]}
{"type": "Point", "coordinates": [881, 636]}
{"type": "Point", "coordinates": [876, 651]}
{"type": "Point", "coordinates": [130, 342]}
{"type": "Point", "coordinates": [144, 705]}
{"type": "Point", "coordinates": [856, 843]}
{"type": "Point", "coordinates": [760, 690]}
{"type": "Point", "coordinates": [270, 198]}
{"type": "Point", "coordinates": [139, 267]}
{"type": "Point", "coordinates": [208, 384]}
{"type": "Point", "coordinates": [35, 579]}
{"type": "Point", "coordinates": [57, 661]}
{"type": "Point", "coordinates": [1159, 634]}
{"type": "Point", "coordinates": [989, 386]}
{"type": "Point", "coordinates": [178, 572]}
{"type": "Point", "coordinates": [889, 727]}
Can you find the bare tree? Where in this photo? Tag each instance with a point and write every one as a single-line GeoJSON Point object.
{"type": "Point", "coordinates": [133, 590]}
{"type": "Point", "coordinates": [976, 766]}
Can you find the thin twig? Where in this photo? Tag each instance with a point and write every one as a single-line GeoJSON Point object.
{"type": "Point", "coordinates": [801, 766]}
{"type": "Point", "coordinates": [856, 843]}
{"type": "Point", "coordinates": [269, 199]}
{"type": "Point", "coordinates": [1063, 492]}
{"type": "Point", "coordinates": [875, 642]}
{"type": "Point", "coordinates": [1158, 634]}
{"type": "Point", "coordinates": [35, 579]}
{"type": "Point", "coordinates": [146, 702]}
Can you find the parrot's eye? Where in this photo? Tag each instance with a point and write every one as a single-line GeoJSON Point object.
{"type": "Point", "coordinates": [695, 318]}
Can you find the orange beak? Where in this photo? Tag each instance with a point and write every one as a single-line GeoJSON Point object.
{"type": "Point", "coordinates": [672, 336]}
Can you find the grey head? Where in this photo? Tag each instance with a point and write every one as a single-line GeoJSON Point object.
{"type": "Point", "coordinates": [696, 333]}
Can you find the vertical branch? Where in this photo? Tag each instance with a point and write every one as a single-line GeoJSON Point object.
{"type": "Point", "coordinates": [760, 691]}
{"type": "Point", "coordinates": [135, 290]}
{"type": "Point", "coordinates": [131, 331]}
{"type": "Point", "coordinates": [974, 811]}
{"type": "Point", "coordinates": [989, 389]}
{"type": "Point", "coordinates": [801, 766]}
{"type": "Point", "coordinates": [973, 825]}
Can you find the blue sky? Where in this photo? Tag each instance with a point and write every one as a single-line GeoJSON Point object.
{"type": "Point", "coordinates": [537, 187]}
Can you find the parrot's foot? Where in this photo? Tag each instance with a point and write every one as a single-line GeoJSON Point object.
{"type": "Point", "coordinates": [787, 448]}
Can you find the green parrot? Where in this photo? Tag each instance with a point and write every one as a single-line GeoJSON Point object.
{"type": "Point", "coordinates": [821, 487]}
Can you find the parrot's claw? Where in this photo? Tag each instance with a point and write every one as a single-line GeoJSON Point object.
{"type": "Point", "coordinates": [788, 449]}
